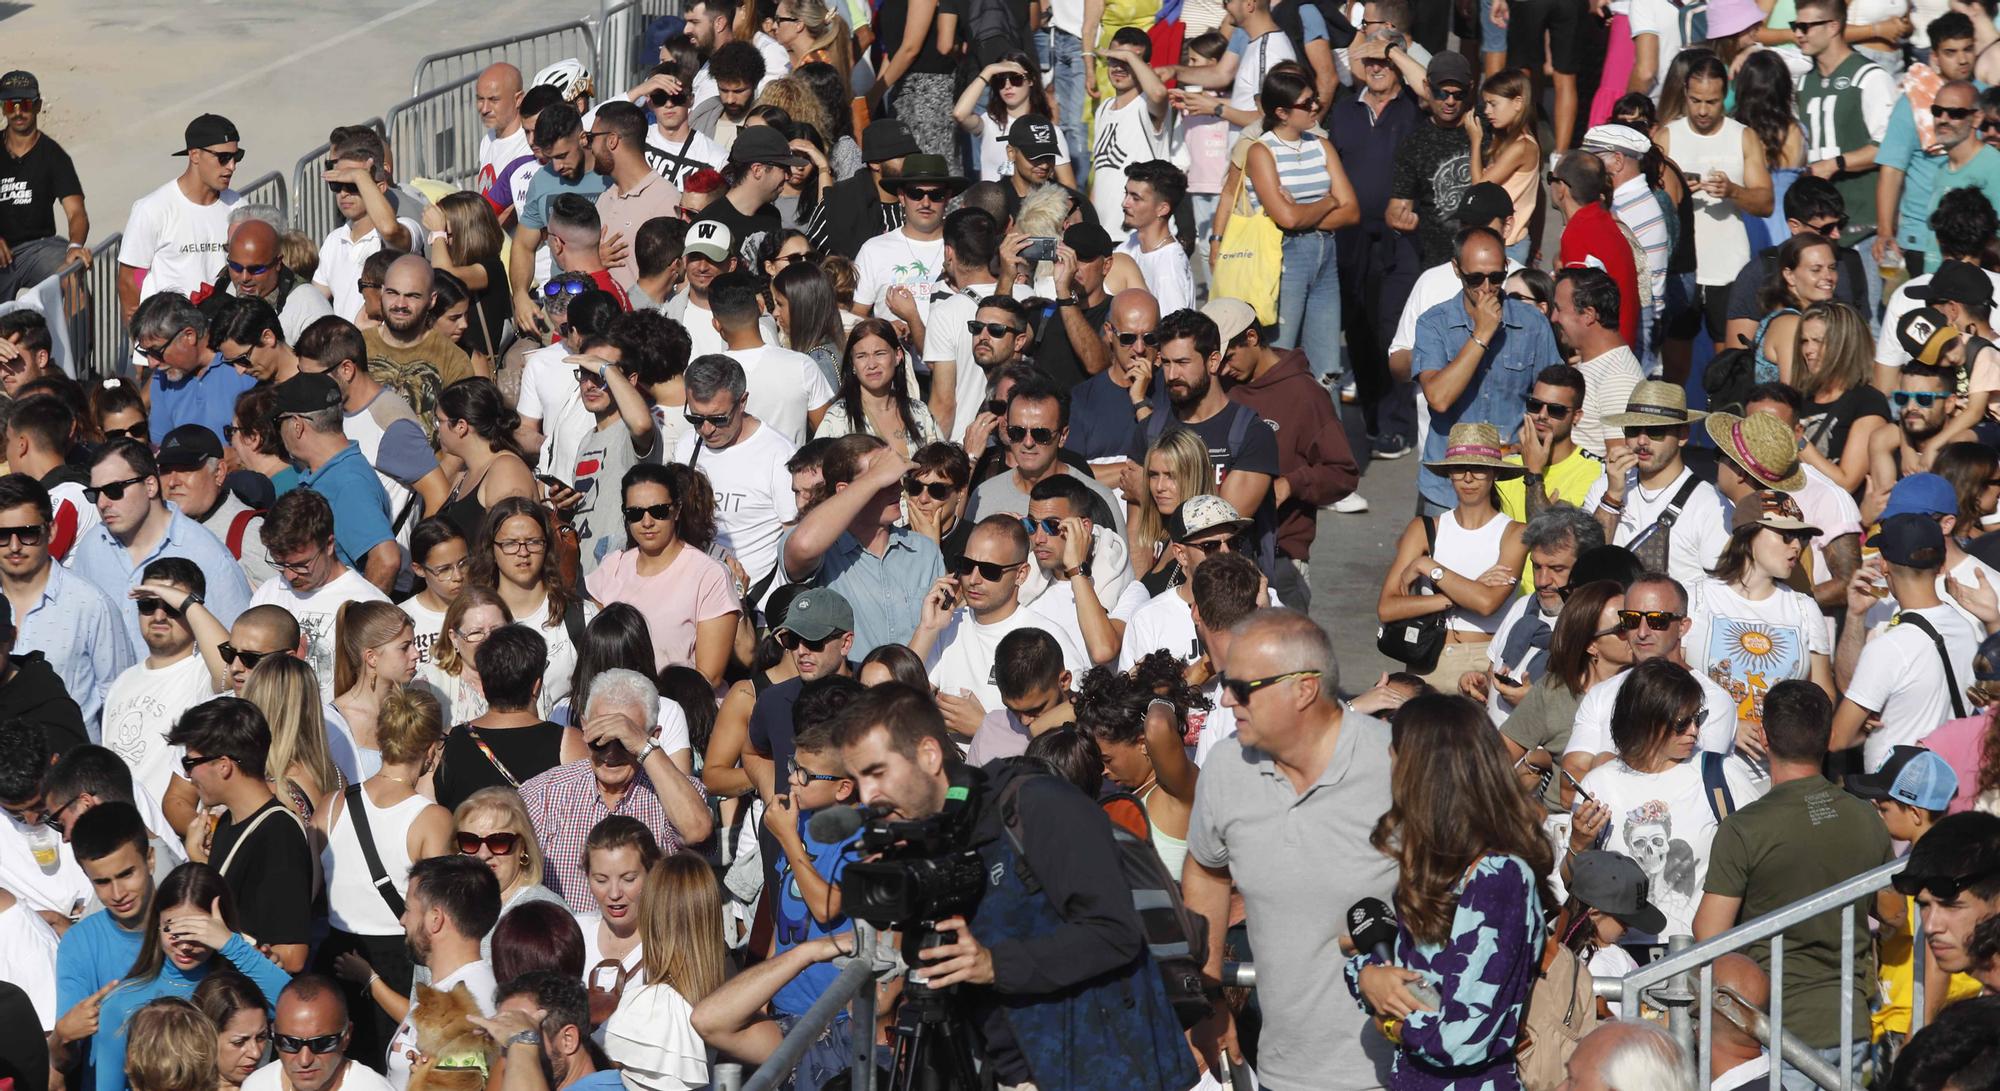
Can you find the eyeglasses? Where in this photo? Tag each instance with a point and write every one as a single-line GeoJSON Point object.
{"type": "Point", "coordinates": [1831, 228]}
{"type": "Point", "coordinates": [500, 844]}
{"type": "Point", "coordinates": [230, 654]}
{"type": "Point", "coordinates": [455, 568]}
{"type": "Point", "coordinates": [113, 489]}
{"type": "Point", "coordinates": [1554, 410]}
{"type": "Point", "coordinates": [1801, 26]}
{"type": "Point", "coordinates": [150, 606]}
{"type": "Point", "coordinates": [1474, 280]}
{"type": "Point", "coordinates": [1924, 398]}
{"type": "Point", "coordinates": [791, 641]}
{"type": "Point", "coordinates": [241, 269]}
{"type": "Point", "coordinates": [592, 134]}
{"type": "Point", "coordinates": [555, 288]}
{"type": "Point", "coordinates": [713, 420]}
{"type": "Point", "coordinates": [190, 763]}
{"type": "Point", "coordinates": [1042, 436]}
{"type": "Point", "coordinates": [989, 571]}
{"type": "Point", "coordinates": [1955, 113]}
{"type": "Point", "coordinates": [795, 771]}
{"type": "Point", "coordinates": [139, 432]}
{"type": "Point", "coordinates": [1046, 525]}
{"type": "Point", "coordinates": [659, 512]}
{"type": "Point", "coordinates": [474, 636]}
{"type": "Point", "coordinates": [1944, 888]}
{"type": "Point", "coordinates": [520, 547]}
{"type": "Point", "coordinates": [1152, 339]}
{"type": "Point", "coordinates": [1656, 620]}
{"type": "Point", "coordinates": [937, 490]}
{"type": "Point", "coordinates": [1655, 433]}
{"type": "Point", "coordinates": [936, 195]}
{"type": "Point", "coordinates": [296, 568]}
{"type": "Point", "coordinates": [323, 1044]}
{"type": "Point", "coordinates": [222, 157]}
{"type": "Point", "coordinates": [993, 329]}
{"type": "Point", "coordinates": [1010, 79]}
{"type": "Point", "coordinates": [26, 534]}
{"type": "Point", "coordinates": [1240, 689]}
{"type": "Point", "coordinates": [158, 354]}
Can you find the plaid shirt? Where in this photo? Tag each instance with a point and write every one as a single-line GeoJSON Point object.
{"type": "Point", "coordinates": [565, 805]}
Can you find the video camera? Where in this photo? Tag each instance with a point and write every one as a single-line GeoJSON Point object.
{"type": "Point", "coordinates": [922, 874]}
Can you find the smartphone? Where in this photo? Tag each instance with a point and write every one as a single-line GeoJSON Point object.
{"type": "Point", "coordinates": [1692, 178]}
{"type": "Point", "coordinates": [551, 481]}
{"type": "Point", "coordinates": [1040, 248]}
{"type": "Point", "coordinates": [1581, 795]}
{"type": "Point", "coordinates": [1516, 683]}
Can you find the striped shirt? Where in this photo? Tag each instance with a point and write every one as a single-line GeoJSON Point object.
{"type": "Point", "coordinates": [1637, 208]}
{"type": "Point", "coordinates": [1301, 169]}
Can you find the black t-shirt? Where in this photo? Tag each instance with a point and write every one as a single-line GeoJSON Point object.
{"type": "Point", "coordinates": [889, 20]}
{"type": "Point", "coordinates": [1054, 355]}
{"type": "Point", "coordinates": [771, 723]}
{"type": "Point", "coordinates": [30, 186]}
{"type": "Point", "coordinates": [1433, 170]}
{"type": "Point", "coordinates": [270, 874]}
{"type": "Point", "coordinates": [1256, 453]}
{"type": "Point", "coordinates": [464, 768]}
{"type": "Point", "coordinates": [1826, 424]}
{"type": "Point", "coordinates": [743, 228]}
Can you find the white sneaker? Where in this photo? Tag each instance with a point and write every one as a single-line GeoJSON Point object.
{"type": "Point", "coordinates": [1352, 504]}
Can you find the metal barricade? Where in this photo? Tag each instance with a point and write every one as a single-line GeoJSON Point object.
{"type": "Point", "coordinates": [95, 317]}
{"type": "Point", "coordinates": [620, 30]}
{"type": "Point", "coordinates": [314, 212]}
{"type": "Point", "coordinates": [436, 134]}
{"type": "Point", "coordinates": [530, 51]}
{"type": "Point", "coordinates": [854, 989]}
{"type": "Point", "coordinates": [268, 189]}
{"type": "Point", "coordinates": [73, 282]}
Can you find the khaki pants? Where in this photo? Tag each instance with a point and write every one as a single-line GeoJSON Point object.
{"type": "Point", "coordinates": [1457, 658]}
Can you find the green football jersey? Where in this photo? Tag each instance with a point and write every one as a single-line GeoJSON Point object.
{"type": "Point", "coordinates": [1830, 110]}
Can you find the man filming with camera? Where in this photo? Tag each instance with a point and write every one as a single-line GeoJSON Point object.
{"type": "Point", "coordinates": [1059, 990]}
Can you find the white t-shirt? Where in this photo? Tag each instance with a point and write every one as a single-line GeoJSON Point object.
{"type": "Point", "coordinates": [1166, 621]}
{"type": "Point", "coordinates": [1900, 677]}
{"type": "Point", "coordinates": [562, 653]}
{"type": "Point", "coordinates": [753, 494]}
{"type": "Point", "coordinates": [427, 623]}
{"type": "Point", "coordinates": [62, 888]}
{"type": "Point", "coordinates": [1889, 350]}
{"type": "Point", "coordinates": [1965, 571]}
{"type": "Point", "coordinates": [495, 152]}
{"type": "Point", "coordinates": [651, 1037]}
{"type": "Point", "coordinates": [783, 387]}
{"type": "Point", "coordinates": [181, 244]}
{"type": "Point", "coordinates": [895, 258]}
{"type": "Point", "coordinates": [1747, 647]}
{"type": "Point", "coordinates": [1122, 136]}
{"type": "Point", "coordinates": [1699, 533]}
{"type": "Point", "coordinates": [1592, 734]}
{"type": "Point", "coordinates": [340, 260]}
{"type": "Point", "coordinates": [1259, 56]}
{"type": "Point", "coordinates": [676, 159]}
{"type": "Point", "coordinates": [1661, 18]}
{"type": "Point", "coordinates": [315, 613]}
{"type": "Point", "coordinates": [994, 162]}
{"type": "Point", "coordinates": [549, 393]}
{"type": "Point", "coordinates": [358, 1077]}
{"type": "Point", "coordinates": [1665, 822]}
{"type": "Point", "coordinates": [962, 659]}
{"type": "Point", "coordinates": [946, 338]}
{"type": "Point", "coordinates": [142, 706]}
{"type": "Point", "coordinates": [703, 337]}
{"type": "Point", "coordinates": [476, 976]}
{"type": "Point", "coordinates": [28, 953]}
{"type": "Point", "coordinates": [1498, 708]}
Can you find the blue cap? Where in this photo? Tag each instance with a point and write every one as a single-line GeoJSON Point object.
{"type": "Point", "coordinates": [1921, 494]}
{"type": "Point", "coordinates": [1903, 537]}
{"type": "Point", "coordinates": [1911, 775]}
{"type": "Point", "coordinates": [1986, 661]}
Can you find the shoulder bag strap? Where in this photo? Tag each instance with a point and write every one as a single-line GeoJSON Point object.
{"type": "Point", "coordinates": [1923, 624]}
{"type": "Point", "coordinates": [1721, 801]}
{"type": "Point", "coordinates": [473, 732]}
{"type": "Point", "coordinates": [1673, 513]}
{"type": "Point", "coordinates": [358, 807]}
{"type": "Point", "coordinates": [223, 868]}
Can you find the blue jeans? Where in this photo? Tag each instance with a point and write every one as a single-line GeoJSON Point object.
{"type": "Point", "coordinates": [1791, 1079]}
{"type": "Point", "coordinates": [1872, 273]}
{"type": "Point", "coordinates": [1309, 301]}
{"type": "Point", "coordinates": [1060, 54]}
{"type": "Point", "coordinates": [1520, 251]}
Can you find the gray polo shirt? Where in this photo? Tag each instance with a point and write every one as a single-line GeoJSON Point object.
{"type": "Point", "coordinates": [1300, 861]}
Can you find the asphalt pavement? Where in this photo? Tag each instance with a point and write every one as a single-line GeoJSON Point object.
{"type": "Point", "coordinates": [1348, 561]}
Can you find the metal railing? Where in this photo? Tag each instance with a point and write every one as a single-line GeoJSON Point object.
{"type": "Point", "coordinates": [313, 210]}
{"type": "Point", "coordinates": [854, 990]}
{"type": "Point", "coordinates": [92, 317]}
{"type": "Point", "coordinates": [268, 189]}
{"type": "Point", "coordinates": [619, 30]}
{"type": "Point", "coordinates": [530, 51]}
{"type": "Point", "coordinates": [436, 134]}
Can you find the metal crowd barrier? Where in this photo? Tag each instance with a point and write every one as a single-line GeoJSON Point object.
{"type": "Point", "coordinates": [619, 28]}
{"type": "Point", "coordinates": [854, 989]}
{"type": "Point", "coordinates": [436, 134]}
{"type": "Point", "coordinates": [92, 317]}
{"type": "Point", "coordinates": [530, 51]}
{"type": "Point", "coordinates": [268, 189]}
{"type": "Point", "coordinates": [313, 209]}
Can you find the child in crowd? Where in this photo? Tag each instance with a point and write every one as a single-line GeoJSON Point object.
{"type": "Point", "coordinates": [808, 874]}
{"type": "Point", "coordinates": [1607, 895]}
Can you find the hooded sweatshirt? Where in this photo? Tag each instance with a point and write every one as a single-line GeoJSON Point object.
{"type": "Point", "coordinates": [35, 693]}
{"type": "Point", "coordinates": [1313, 454]}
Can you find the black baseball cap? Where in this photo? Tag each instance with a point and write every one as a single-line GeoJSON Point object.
{"type": "Point", "coordinates": [1484, 203]}
{"type": "Point", "coordinates": [763, 144]}
{"type": "Point", "coordinates": [885, 139]}
{"type": "Point", "coordinates": [1902, 537]}
{"type": "Point", "coordinates": [188, 447]}
{"type": "Point", "coordinates": [1960, 851]}
{"type": "Point", "coordinates": [18, 85]}
{"type": "Point", "coordinates": [306, 392]}
{"type": "Point", "coordinates": [1090, 242]}
{"type": "Point", "coordinates": [206, 130]}
{"type": "Point", "coordinates": [1613, 884]}
{"type": "Point", "coordinates": [1956, 282]}
{"type": "Point", "coordinates": [1035, 136]}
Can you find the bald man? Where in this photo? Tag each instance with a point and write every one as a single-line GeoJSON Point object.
{"type": "Point", "coordinates": [405, 336]}
{"type": "Point", "coordinates": [497, 96]}
{"type": "Point", "coordinates": [1735, 1058]}
{"type": "Point", "coordinates": [1104, 407]}
{"type": "Point", "coordinates": [255, 268]}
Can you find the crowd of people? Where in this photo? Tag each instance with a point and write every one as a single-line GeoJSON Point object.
{"type": "Point", "coordinates": [469, 650]}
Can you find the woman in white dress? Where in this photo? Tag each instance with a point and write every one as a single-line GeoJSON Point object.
{"type": "Point", "coordinates": [617, 857]}
{"type": "Point", "coordinates": [651, 1035]}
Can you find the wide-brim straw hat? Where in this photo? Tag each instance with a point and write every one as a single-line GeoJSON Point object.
{"type": "Point", "coordinates": [1762, 446]}
{"type": "Point", "coordinates": [1653, 403]}
{"type": "Point", "coordinates": [1476, 445]}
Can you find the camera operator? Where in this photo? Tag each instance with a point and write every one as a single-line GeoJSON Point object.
{"type": "Point", "coordinates": [1061, 990]}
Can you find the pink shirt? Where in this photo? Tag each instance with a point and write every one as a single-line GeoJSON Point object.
{"type": "Point", "coordinates": [693, 589]}
{"type": "Point", "coordinates": [1960, 743]}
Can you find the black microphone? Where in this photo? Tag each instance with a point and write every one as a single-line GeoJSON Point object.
{"type": "Point", "coordinates": [836, 824]}
{"type": "Point", "coordinates": [1372, 925]}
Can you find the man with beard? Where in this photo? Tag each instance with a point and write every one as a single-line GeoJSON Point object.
{"type": "Point", "coordinates": [359, 178]}
{"type": "Point", "coordinates": [543, 1024]}
{"type": "Point", "coordinates": [38, 175]}
{"type": "Point", "coordinates": [310, 425]}
{"type": "Point", "coordinates": [1156, 260]}
{"type": "Point", "coordinates": [254, 269]}
{"type": "Point", "coordinates": [735, 72]}
{"type": "Point", "coordinates": [1032, 151]}
{"type": "Point", "coordinates": [406, 339]}
{"type": "Point", "coordinates": [1923, 399]}
{"type": "Point", "coordinates": [758, 163]}
{"type": "Point", "coordinates": [311, 1032]}
{"type": "Point", "coordinates": [379, 418]}
{"type": "Point", "coordinates": [1434, 163]}
{"type": "Point", "coordinates": [1587, 312]}
{"type": "Point", "coordinates": [1592, 235]}
{"type": "Point", "coordinates": [56, 612]}
{"type": "Point", "coordinates": [1558, 469]}
{"type": "Point", "coordinates": [451, 902]}
{"type": "Point", "coordinates": [898, 272]}
{"type": "Point", "coordinates": [1962, 293]}
{"type": "Point", "coordinates": [958, 384]}
{"type": "Point", "coordinates": [1648, 491]}
{"type": "Point", "coordinates": [637, 194]}
{"type": "Point", "coordinates": [187, 386]}
{"type": "Point", "coordinates": [1518, 654]}
{"type": "Point", "coordinates": [566, 156]}
{"type": "Point", "coordinates": [1735, 177]}
{"type": "Point", "coordinates": [711, 26]}
{"type": "Point", "coordinates": [865, 205]}
{"type": "Point", "coordinates": [709, 251]}
{"type": "Point", "coordinates": [192, 474]}
{"type": "Point", "coordinates": [628, 772]}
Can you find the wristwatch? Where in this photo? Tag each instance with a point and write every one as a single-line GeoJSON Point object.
{"type": "Point", "coordinates": [651, 745]}
{"type": "Point", "coordinates": [1072, 573]}
{"type": "Point", "coordinates": [1218, 109]}
{"type": "Point", "coordinates": [194, 598]}
{"type": "Point", "coordinates": [1436, 573]}
{"type": "Point", "coordinates": [530, 1037]}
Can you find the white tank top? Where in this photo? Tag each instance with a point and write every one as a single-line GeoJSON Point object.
{"type": "Point", "coordinates": [1124, 135]}
{"type": "Point", "coordinates": [1470, 553]}
{"type": "Point", "coordinates": [353, 902]}
{"type": "Point", "coordinates": [1719, 236]}
{"type": "Point", "coordinates": [1167, 273]}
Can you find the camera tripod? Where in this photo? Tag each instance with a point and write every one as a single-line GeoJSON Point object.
{"type": "Point", "coordinates": [935, 1052]}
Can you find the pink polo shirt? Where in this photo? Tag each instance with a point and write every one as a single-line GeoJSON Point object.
{"type": "Point", "coordinates": [693, 589]}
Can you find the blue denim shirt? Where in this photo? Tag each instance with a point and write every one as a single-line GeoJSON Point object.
{"type": "Point", "coordinates": [1524, 345]}
{"type": "Point", "coordinates": [107, 564]}
{"type": "Point", "coordinates": [76, 628]}
{"type": "Point", "coordinates": [361, 519]}
{"type": "Point", "coordinates": [886, 592]}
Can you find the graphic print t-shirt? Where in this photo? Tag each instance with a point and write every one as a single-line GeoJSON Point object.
{"type": "Point", "coordinates": [1433, 169]}
{"type": "Point", "coordinates": [1747, 647]}
{"type": "Point", "coordinates": [1663, 821]}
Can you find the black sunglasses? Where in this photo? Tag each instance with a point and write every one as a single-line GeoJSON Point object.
{"type": "Point", "coordinates": [1453, 93]}
{"type": "Point", "coordinates": [321, 1044]}
{"type": "Point", "coordinates": [230, 654]}
{"type": "Point", "coordinates": [1800, 26]}
{"type": "Point", "coordinates": [159, 354]}
{"type": "Point", "coordinates": [662, 98]}
{"type": "Point", "coordinates": [1474, 280]}
{"type": "Point", "coordinates": [1956, 113]}
{"type": "Point", "coordinates": [225, 157]}
{"type": "Point", "coordinates": [1656, 620]}
{"type": "Point", "coordinates": [938, 490]}
{"type": "Point", "coordinates": [1010, 79]}
{"type": "Point", "coordinates": [1831, 228]}
{"type": "Point", "coordinates": [344, 189]}
{"type": "Point", "coordinates": [1240, 689]}
{"type": "Point", "coordinates": [1042, 436]}
{"type": "Point", "coordinates": [713, 420]}
{"type": "Point", "coordinates": [150, 606]}
{"type": "Point", "coordinates": [934, 194]}
{"type": "Point", "coordinates": [1655, 433]}
{"type": "Point", "coordinates": [26, 533]}
{"type": "Point", "coordinates": [1944, 888]}
{"type": "Point", "coordinates": [791, 641]}
{"type": "Point", "coordinates": [1556, 410]}
{"type": "Point", "coordinates": [140, 432]}
{"type": "Point", "coordinates": [1152, 339]}
{"type": "Point", "coordinates": [190, 764]}
{"type": "Point", "coordinates": [1234, 543]}
{"type": "Point", "coordinates": [251, 270]}
{"type": "Point", "coordinates": [113, 489]}
{"type": "Point", "coordinates": [993, 329]}
{"type": "Point", "coordinates": [988, 570]}
{"type": "Point", "coordinates": [660, 512]}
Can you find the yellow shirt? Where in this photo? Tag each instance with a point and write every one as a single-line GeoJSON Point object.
{"type": "Point", "coordinates": [1568, 481]}
{"type": "Point", "coordinates": [1894, 956]}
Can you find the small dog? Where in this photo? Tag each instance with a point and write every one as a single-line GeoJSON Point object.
{"type": "Point", "coordinates": [452, 1054]}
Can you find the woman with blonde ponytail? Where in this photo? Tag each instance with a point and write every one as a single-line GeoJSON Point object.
{"type": "Point", "coordinates": [300, 765]}
{"type": "Point", "coordinates": [374, 651]}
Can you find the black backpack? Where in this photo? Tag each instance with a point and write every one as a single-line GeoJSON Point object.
{"type": "Point", "coordinates": [1730, 377]}
{"type": "Point", "coordinates": [991, 28]}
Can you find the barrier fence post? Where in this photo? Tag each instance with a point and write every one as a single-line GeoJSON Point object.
{"type": "Point", "coordinates": [110, 348]}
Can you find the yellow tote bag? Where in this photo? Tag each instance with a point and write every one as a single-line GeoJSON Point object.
{"type": "Point", "coordinates": [1251, 255]}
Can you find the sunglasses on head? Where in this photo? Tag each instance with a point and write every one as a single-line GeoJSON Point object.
{"type": "Point", "coordinates": [791, 641]}
{"type": "Point", "coordinates": [150, 606]}
{"type": "Point", "coordinates": [659, 512]}
{"type": "Point", "coordinates": [1152, 340]}
{"type": "Point", "coordinates": [322, 1044]}
{"type": "Point", "coordinates": [230, 654]}
{"type": "Point", "coordinates": [500, 844]}
{"type": "Point", "coordinates": [1555, 410]}
{"type": "Point", "coordinates": [937, 490]}
{"type": "Point", "coordinates": [1045, 525]}
{"type": "Point", "coordinates": [1955, 113]}
{"type": "Point", "coordinates": [1474, 280]}
{"type": "Point", "coordinates": [113, 489]}
{"type": "Point", "coordinates": [27, 534]}
{"type": "Point", "coordinates": [993, 329]}
{"type": "Point", "coordinates": [988, 570]}
{"type": "Point", "coordinates": [936, 195]}
{"type": "Point", "coordinates": [1656, 620]}
{"type": "Point", "coordinates": [1240, 689]}
{"type": "Point", "coordinates": [1042, 436]}
{"type": "Point", "coordinates": [1924, 398]}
